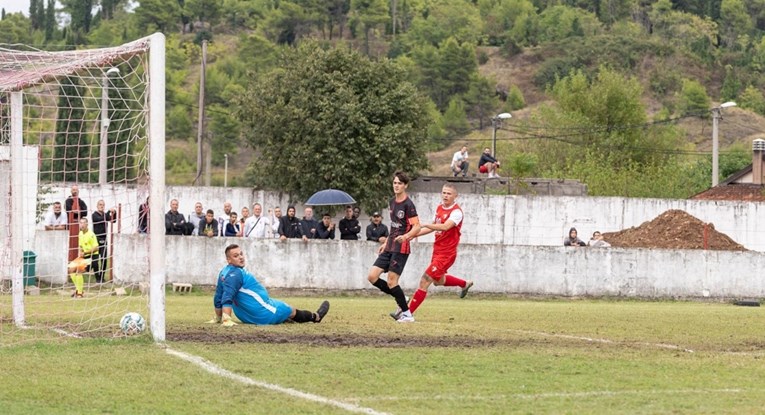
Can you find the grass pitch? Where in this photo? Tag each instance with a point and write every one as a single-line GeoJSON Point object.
{"type": "Point", "coordinates": [487, 355]}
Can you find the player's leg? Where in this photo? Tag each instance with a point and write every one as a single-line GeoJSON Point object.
{"type": "Point", "coordinates": [449, 280]}
{"type": "Point", "coordinates": [381, 265]}
{"type": "Point", "coordinates": [397, 264]}
{"type": "Point", "coordinates": [421, 292]}
{"type": "Point", "coordinates": [305, 316]}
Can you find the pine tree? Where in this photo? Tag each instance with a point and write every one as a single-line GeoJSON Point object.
{"type": "Point", "coordinates": [71, 158]}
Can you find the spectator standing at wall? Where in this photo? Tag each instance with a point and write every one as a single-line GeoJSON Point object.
{"type": "Point", "coordinates": [175, 222]}
{"type": "Point", "coordinates": [572, 239]}
{"type": "Point", "coordinates": [143, 217]}
{"type": "Point", "coordinates": [257, 225]}
{"type": "Point", "coordinates": [233, 227]}
{"type": "Point", "coordinates": [308, 225]}
{"type": "Point", "coordinates": [76, 208]}
{"type": "Point", "coordinates": [290, 225]}
{"type": "Point", "coordinates": [55, 219]}
{"type": "Point", "coordinates": [488, 164]}
{"type": "Point", "coordinates": [460, 162]}
{"type": "Point", "coordinates": [101, 219]}
{"type": "Point", "coordinates": [223, 220]}
{"type": "Point", "coordinates": [326, 229]}
{"type": "Point", "coordinates": [210, 226]}
{"type": "Point", "coordinates": [196, 217]}
{"type": "Point", "coordinates": [597, 241]}
{"type": "Point", "coordinates": [349, 226]}
{"type": "Point", "coordinates": [275, 216]}
{"type": "Point", "coordinates": [376, 230]}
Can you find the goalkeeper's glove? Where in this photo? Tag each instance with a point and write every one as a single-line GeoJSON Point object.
{"type": "Point", "coordinates": [215, 320]}
{"type": "Point", "coordinates": [227, 322]}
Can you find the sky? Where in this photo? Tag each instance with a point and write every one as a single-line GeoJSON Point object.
{"type": "Point", "coordinates": [13, 6]}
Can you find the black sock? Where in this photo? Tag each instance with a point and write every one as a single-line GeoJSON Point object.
{"type": "Point", "coordinates": [383, 286]}
{"type": "Point", "coordinates": [398, 294]}
{"type": "Point", "coordinates": [303, 316]}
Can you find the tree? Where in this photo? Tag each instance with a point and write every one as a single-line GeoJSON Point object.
{"type": "Point", "coordinates": [694, 98]}
{"type": "Point", "coordinates": [370, 14]}
{"type": "Point", "coordinates": [159, 15]}
{"type": "Point", "coordinates": [81, 14]}
{"type": "Point", "coordinates": [333, 118]}
{"type": "Point", "coordinates": [50, 20]}
{"type": "Point", "coordinates": [71, 160]}
{"type": "Point", "coordinates": [480, 99]}
{"type": "Point", "coordinates": [119, 152]}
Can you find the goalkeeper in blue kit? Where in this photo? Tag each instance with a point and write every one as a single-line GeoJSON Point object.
{"type": "Point", "coordinates": [239, 291]}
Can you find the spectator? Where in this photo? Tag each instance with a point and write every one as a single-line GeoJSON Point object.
{"type": "Point", "coordinates": [175, 223]}
{"type": "Point", "coordinates": [276, 221]}
{"type": "Point", "coordinates": [223, 220]}
{"type": "Point", "coordinates": [210, 226]}
{"type": "Point", "coordinates": [76, 206]}
{"type": "Point", "coordinates": [197, 217]}
{"type": "Point", "coordinates": [257, 225]}
{"type": "Point", "coordinates": [55, 220]}
{"type": "Point", "coordinates": [356, 212]}
{"type": "Point", "coordinates": [488, 164]}
{"type": "Point", "coordinates": [597, 241]}
{"type": "Point", "coordinates": [143, 217]}
{"type": "Point", "coordinates": [233, 227]}
{"type": "Point", "coordinates": [244, 217]}
{"type": "Point", "coordinates": [376, 230]}
{"type": "Point", "coordinates": [460, 162]}
{"type": "Point", "coordinates": [326, 229]}
{"type": "Point", "coordinates": [308, 225]}
{"type": "Point", "coordinates": [290, 225]}
{"type": "Point", "coordinates": [240, 293]}
{"type": "Point", "coordinates": [349, 226]}
{"type": "Point", "coordinates": [572, 239]}
{"type": "Point", "coordinates": [100, 220]}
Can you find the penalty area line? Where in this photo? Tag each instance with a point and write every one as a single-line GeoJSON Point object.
{"type": "Point", "coordinates": [219, 371]}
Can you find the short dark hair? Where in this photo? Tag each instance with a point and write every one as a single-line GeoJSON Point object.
{"type": "Point", "coordinates": [210, 211]}
{"type": "Point", "coordinates": [230, 247]}
{"type": "Point", "coordinates": [325, 215]}
{"type": "Point", "coordinates": [401, 176]}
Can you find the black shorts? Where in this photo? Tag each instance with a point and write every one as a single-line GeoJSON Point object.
{"type": "Point", "coordinates": [392, 262]}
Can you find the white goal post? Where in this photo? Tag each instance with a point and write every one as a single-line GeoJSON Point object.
{"type": "Point", "coordinates": [93, 121]}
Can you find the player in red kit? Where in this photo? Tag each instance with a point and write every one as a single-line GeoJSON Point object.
{"type": "Point", "coordinates": [447, 226]}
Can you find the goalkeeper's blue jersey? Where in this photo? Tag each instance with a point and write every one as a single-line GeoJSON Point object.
{"type": "Point", "coordinates": [241, 291]}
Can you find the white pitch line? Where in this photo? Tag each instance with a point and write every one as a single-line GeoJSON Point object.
{"type": "Point", "coordinates": [543, 395]}
{"type": "Point", "coordinates": [216, 370]}
{"type": "Point", "coordinates": [606, 341]}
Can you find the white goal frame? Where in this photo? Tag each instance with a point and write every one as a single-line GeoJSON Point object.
{"type": "Point", "coordinates": [156, 177]}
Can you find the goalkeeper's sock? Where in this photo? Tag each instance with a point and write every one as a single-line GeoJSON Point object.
{"type": "Point", "coordinates": [303, 316]}
{"type": "Point", "coordinates": [383, 286]}
{"type": "Point", "coordinates": [452, 281]}
{"type": "Point", "coordinates": [398, 294]}
{"type": "Point", "coordinates": [417, 299]}
{"type": "Point", "coordinates": [78, 281]}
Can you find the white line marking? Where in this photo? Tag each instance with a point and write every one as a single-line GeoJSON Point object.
{"type": "Point", "coordinates": [542, 395]}
{"type": "Point", "coordinates": [212, 368]}
{"type": "Point", "coordinates": [606, 341]}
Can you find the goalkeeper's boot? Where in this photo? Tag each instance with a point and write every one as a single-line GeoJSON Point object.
{"type": "Point", "coordinates": [322, 311]}
{"type": "Point", "coordinates": [465, 290]}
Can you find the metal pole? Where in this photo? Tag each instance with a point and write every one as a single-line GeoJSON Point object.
{"type": "Point", "coordinates": [715, 146]}
{"type": "Point", "coordinates": [225, 171]}
{"type": "Point", "coordinates": [494, 122]}
{"type": "Point", "coordinates": [104, 130]}
{"type": "Point", "coordinates": [201, 110]}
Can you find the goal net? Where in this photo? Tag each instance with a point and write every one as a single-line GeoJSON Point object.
{"type": "Point", "coordinates": [81, 183]}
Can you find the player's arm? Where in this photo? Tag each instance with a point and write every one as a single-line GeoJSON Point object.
{"type": "Point", "coordinates": [415, 222]}
{"type": "Point", "coordinates": [430, 227]}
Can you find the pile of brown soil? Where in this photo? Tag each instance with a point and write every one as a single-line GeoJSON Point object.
{"type": "Point", "coordinates": [673, 229]}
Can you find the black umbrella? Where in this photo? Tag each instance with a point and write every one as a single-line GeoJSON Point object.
{"type": "Point", "coordinates": [330, 197]}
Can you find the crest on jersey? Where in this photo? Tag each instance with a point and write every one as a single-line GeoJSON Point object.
{"type": "Point", "coordinates": [400, 214]}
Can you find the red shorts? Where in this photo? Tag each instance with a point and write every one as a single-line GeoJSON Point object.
{"type": "Point", "coordinates": [439, 265]}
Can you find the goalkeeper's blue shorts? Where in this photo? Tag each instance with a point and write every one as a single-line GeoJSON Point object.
{"type": "Point", "coordinates": [272, 312]}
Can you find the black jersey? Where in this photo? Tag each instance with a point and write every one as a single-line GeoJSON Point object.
{"type": "Point", "coordinates": [400, 215]}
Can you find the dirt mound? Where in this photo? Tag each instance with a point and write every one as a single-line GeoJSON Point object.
{"type": "Point", "coordinates": [673, 229]}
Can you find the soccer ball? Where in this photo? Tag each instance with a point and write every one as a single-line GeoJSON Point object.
{"type": "Point", "coordinates": [132, 323]}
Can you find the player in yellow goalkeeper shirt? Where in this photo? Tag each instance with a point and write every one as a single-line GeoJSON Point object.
{"type": "Point", "coordinates": [88, 252]}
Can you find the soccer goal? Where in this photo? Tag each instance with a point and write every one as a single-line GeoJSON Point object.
{"type": "Point", "coordinates": [87, 123]}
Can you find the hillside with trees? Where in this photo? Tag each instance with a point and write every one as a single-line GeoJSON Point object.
{"type": "Point", "coordinates": [301, 94]}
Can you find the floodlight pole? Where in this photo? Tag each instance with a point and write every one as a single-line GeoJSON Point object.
{"type": "Point", "coordinates": [496, 123]}
{"type": "Point", "coordinates": [716, 117]}
{"type": "Point", "coordinates": [104, 125]}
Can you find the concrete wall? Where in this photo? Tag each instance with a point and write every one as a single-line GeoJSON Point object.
{"type": "Point", "coordinates": [9, 213]}
{"type": "Point", "coordinates": [489, 219]}
{"type": "Point", "coordinates": [541, 270]}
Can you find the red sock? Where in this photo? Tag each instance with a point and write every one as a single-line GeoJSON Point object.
{"type": "Point", "coordinates": [452, 281]}
{"type": "Point", "coordinates": [417, 299]}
